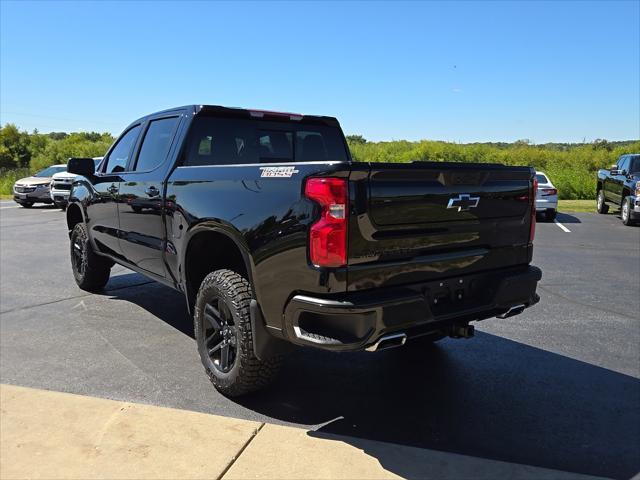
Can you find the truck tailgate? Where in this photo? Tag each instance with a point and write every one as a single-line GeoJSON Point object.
{"type": "Point", "coordinates": [422, 221]}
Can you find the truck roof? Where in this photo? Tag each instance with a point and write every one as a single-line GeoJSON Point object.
{"type": "Point", "coordinates": [219, 110]}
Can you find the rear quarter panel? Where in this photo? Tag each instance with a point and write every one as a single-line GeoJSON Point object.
{"type": "Point", "coordinates": [268, 218]}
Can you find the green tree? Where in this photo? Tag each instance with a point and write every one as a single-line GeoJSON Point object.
{"type": "Point", "coordinates": [359, 139]}
{"type": "Point", "coordinates": [73, 145]}
{"type": "Point", "coordinates": [14, 147]}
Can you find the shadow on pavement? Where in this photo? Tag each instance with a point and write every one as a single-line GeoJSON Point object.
{"type": "Point", "coordinates": [488, 397]}
{"type": "Point", "coordinates": [567, 218]}
{"type": "Point", "coordinates": [163, 302]}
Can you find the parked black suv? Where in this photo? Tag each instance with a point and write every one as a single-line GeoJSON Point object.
{"type": "Point", "coordinates": [278, 239]}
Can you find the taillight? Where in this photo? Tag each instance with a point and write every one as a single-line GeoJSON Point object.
{"type": "Point", "coordinates": [534, 189]}
{"type": "Point", "coordinates": [548, 191]}
{"type": "Point", "coordinates": [328, 236]}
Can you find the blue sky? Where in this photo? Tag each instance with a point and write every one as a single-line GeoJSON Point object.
{"type": "Point", "coordinates": [457, 71]}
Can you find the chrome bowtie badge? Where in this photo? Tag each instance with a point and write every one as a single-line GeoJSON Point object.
{"type": "Point", "coordinates": [463, 202]}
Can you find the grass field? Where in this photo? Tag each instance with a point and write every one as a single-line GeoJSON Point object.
{"type": "Point", "coordinates": [576, 206]}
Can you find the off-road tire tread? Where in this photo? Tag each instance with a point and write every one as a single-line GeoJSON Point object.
{"type": "Point", "coordinates": [253, 374]}
{"type": "Point", "coordinates": [96, 268]}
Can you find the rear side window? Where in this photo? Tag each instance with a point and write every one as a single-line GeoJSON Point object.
{"type": "Point", "coordinates": [119, 156]}
{"type": "Point", "coordinates": [228, 141]}
{"type": "Point", "coordinates": [541, 178]}
{"type": "Point", "coordinates": [156, 143]}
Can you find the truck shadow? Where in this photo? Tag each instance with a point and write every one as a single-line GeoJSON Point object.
{"type": "Point", "coordinates": [488, 398]}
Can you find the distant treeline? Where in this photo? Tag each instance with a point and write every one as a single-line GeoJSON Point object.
{"type": "Point", "coordinates": [571, 166]}
{"type": "Point", "coordinates": [34, 151]}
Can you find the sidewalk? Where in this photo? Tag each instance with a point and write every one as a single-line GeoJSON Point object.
{"type": "Point", "coordinates": [54, 435]}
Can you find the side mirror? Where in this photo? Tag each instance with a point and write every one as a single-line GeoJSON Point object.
{"type": "Point", "coordinates": [81, 166]}
{"type": "Point", "coordinates": [614, 170]}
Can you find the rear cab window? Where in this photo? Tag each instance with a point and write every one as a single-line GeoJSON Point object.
{"type": "Point", "coordinates": [233, 141]}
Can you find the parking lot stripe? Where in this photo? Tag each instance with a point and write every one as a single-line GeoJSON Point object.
{"type": "Point", "coordinates": [14, 206]}
{"type": "Point", "coordinates": [562, 227]}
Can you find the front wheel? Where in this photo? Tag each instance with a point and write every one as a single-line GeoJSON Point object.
{"type": "Point", "coordinates": [222, 325]}
{"type": "Point", "coordinates": [626, 212]}
{"type": "Point", "coordinates": [25, 204]}
{"type": "Point", "coordinates": [601, 206]}
{"type": "Point", "coordinates": [90, 270]}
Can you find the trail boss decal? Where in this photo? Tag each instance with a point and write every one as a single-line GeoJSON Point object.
{"type": "Point", "coordinates": [280, 172]}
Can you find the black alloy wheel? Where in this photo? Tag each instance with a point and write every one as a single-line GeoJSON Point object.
{"type": "Point", "coordinates": [220, 335]}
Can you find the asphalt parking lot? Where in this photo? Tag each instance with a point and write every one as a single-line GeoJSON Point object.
{"type": "Point", "coordinates": [556, 387]}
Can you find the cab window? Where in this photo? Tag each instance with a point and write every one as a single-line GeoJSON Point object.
{"type": "Point", "coordinates": [119, 156]}
{"type": "Point", "coordinates": [156, 143]}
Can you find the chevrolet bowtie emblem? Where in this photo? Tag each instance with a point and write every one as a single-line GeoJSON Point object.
{"type": "Point", "coordinates": [463, 202]}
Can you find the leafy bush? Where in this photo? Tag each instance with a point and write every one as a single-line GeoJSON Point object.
{"type": "Point", "coordinates": [73, 145]}
{"type": "Point", "coordinates": [9, 177]}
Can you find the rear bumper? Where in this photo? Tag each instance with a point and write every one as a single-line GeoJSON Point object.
{"type": "Point", "coordinates": [546, 203]}
{"type": "Point", "coordinates": [357, 320]}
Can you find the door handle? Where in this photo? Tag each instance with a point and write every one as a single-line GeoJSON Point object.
{"type": "Point", "coordinates": [113, 189]}
{"type": "Point", "coordinates": [152, 191]}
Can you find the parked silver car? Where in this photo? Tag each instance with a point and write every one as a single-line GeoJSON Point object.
{"type": "Point", "coordinates": [546, 197]}
{"type": "Point", "coordinates": [35, 189]}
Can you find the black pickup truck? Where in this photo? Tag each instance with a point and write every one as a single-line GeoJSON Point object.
{"type": "Point", "coordinates": [620, 186]}
{"type": "Point", "coordinates": [278, 239]}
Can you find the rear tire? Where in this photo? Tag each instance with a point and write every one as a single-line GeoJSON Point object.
{"type": "Point", "coordinates": [90, 270]}
{"type": "Point", "coordinates": [550, 214]}
{"type": "Point", "coordinates": [222, 325]}
{"type": "Point", "coordinates": [625, 212]}
{"type": "Point", "coordinates": [601, 206]}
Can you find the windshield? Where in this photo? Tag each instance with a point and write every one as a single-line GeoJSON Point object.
{"type": "Point", "coordinates": [48, 172]}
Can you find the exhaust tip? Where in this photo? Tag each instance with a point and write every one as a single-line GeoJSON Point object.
{"type": "Point", "coordinates": [388, 341]}
{"type": "Point", "coordinates": [513, 310]}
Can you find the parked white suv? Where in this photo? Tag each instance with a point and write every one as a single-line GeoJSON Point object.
{"type": "Point", "coordinates": [61, 186]}
{"type": "Point", "coordinates": [546, 197]}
